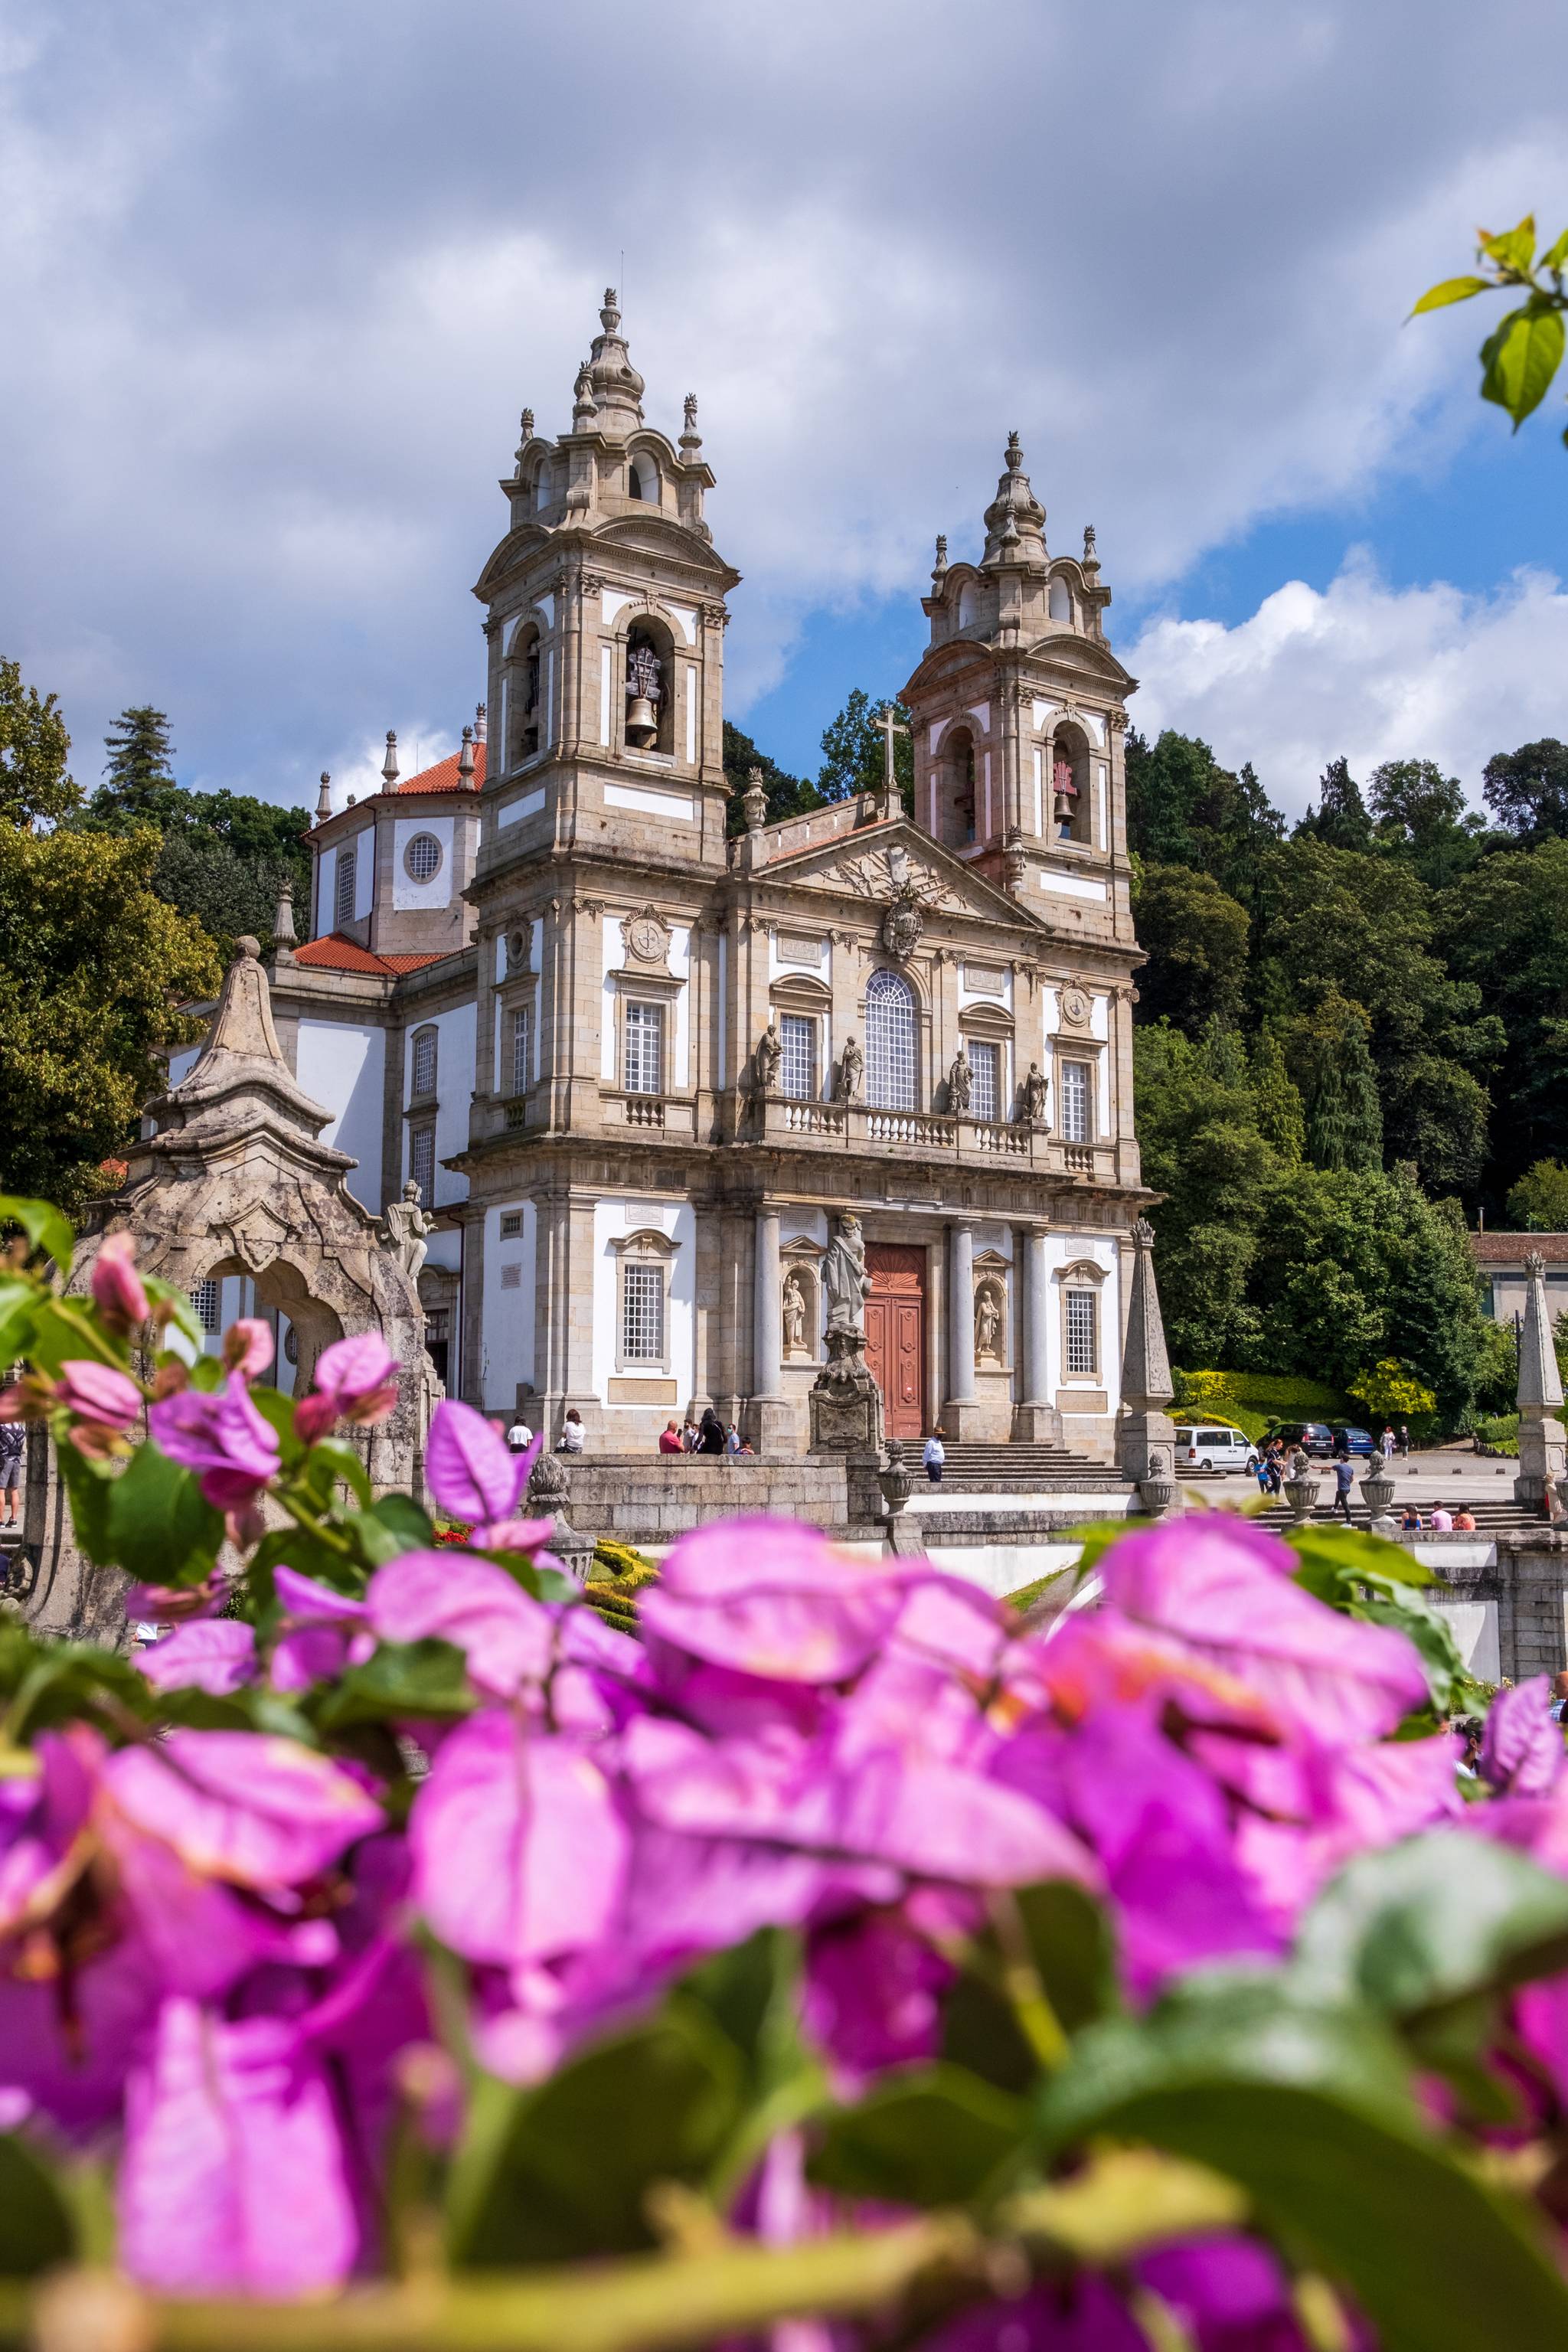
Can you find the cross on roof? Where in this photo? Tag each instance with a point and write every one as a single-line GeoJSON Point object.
{"type": "Point", "coordinates": [888, 727]}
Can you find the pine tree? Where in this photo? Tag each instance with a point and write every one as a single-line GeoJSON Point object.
{"type": "Point", "coordinates": [1332, 1070]}
{"type": "Point", "coordinates": [1281, 1121]}
{"type": "Point", "coordinates": [855, 749]}
{"type": "Point", "coordinates": [1340, 817]}
{"type": "Point", "coordinates": [140, 781]}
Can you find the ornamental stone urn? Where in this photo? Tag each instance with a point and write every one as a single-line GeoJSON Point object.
{"type": "Point", "coordinates": [1377, 1491]}
{"type": "Point", "coordinates": [1302, 1494]}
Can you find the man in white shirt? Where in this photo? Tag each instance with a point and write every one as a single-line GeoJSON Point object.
{"type": "Point", "coordinates": [933, 1459]}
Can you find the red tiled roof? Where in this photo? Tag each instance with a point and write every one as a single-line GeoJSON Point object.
{"type": "Point", "coordinates": [334, 954]}
{"type": "Point", "coordinates": [444, 777]}
{"type": "Point", "coordinates": [1509, 1249]}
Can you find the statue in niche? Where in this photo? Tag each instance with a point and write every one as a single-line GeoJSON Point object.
{"type": "Point", "coordinates": [769, 1053]}
{"type": "Point", "coordinates": [645, 692]}
{"type": "Point", "coordinates": [1034, 1097]}
{"type": "Point", "coordinates": [987, 1322]}
{"type": "Point", "coordinates": [851, 1069]}
{"type": "Point", "coordinates": [845, 1284]}
{"type": "Point", "coordinates": [404, 1227]}
{"type": "Point", "coordinates": [958, 1084]}
{"type": "Point", "coordinates": [794, 1316]}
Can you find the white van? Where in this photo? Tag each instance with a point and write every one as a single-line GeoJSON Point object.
{"type": "Point", "coordinates": [1213, 1446]}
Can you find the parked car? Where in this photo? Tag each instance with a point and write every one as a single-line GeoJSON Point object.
{"type": "Point", "coordinates": [1314, 1437]}
{"type": "Point", "coordinates": [1352, 1441]}
{"type": "Point", "coordinates": [1214, 1447]}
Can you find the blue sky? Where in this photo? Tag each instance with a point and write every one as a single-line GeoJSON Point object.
{"type": "Point", "coordinates": [277, 283]}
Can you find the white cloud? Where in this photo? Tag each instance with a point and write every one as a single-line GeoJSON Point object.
{"type": "Point", "coordinates": [1374, 672]}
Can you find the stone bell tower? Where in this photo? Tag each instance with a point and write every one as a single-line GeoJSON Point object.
{"type": "Point", "coordinates": [606, 618]}
{"type": "Point", "coordinates": [1018, 710]}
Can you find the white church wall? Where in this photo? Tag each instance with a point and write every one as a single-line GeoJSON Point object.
{"type": "Point", "coordinates": [1072, 1249]}
{"type": "Point", "coordinates": [613, 1221]}
{"type": "Point", "coordinates": [341, 1065]}
{"type": "Point", "coordinates": [506, 1338]}
{"type": "Point", "coordinates": [406, 893]}
{"type": "Point", "coordinates": [456, 1046]}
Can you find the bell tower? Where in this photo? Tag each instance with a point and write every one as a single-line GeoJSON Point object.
{"type": "Point", "coordinates": [604, 621]}
{"type": "Point", "coordinates": [1018, 711]}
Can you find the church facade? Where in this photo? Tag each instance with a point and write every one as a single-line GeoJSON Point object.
{"type": "Point", "coordinates": [639, 1063]}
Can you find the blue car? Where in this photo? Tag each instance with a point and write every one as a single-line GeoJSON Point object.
{"type": "Point", "coordinates": [1352, 1441]}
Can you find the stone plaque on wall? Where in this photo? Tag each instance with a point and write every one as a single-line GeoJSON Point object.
{"type": "Point", "coordinates": [985, 979]}
{"type": "Point", "coordinates": [794, 949]}
{"type": "Point", "coordinates": [631, 1391]}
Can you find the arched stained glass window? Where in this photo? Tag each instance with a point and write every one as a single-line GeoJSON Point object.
{"type": "Point", "coordinates": [891, 1065]}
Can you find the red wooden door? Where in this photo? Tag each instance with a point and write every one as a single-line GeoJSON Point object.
{"type": "Point", "coordinates": [895, 1334]}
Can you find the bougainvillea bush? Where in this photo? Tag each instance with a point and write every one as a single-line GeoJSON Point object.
{"type": "Point", "coordinates": [840, 1963]}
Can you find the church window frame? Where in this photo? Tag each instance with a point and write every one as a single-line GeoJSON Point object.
{"type": "Point", "coordinates": [424, 857]}
{"type": "Point", "coordinates": [799, 1055]}
{"type": "Point", "coordinates": [986, 1072]}
{"type": "Point", "coordinates": [643, 1045]}
{"type": "Point", "coordinates": [1068, 748]}
{"type": "Point", "coordinates": [1081, 1292]}
{"type": "Point", "coordinates": [524, 697]}
{"type": "Point", "coordinates": [892, 1043]}
{"type": "Point", "coordinates": [206, 1298]}
{"type": "Point", "coordinates": [422, 1159]}
{"type": "Point", "coordinates": [520, 1046]}
{"type": "Point", "coordinates": [1076, 1089]}
{"type": "Point", "coordinates": [425, 1062]}
{"type": "Point", "coordinates": [345, 878]}
{"type": "Point", "coordinates": [649, 628]}
{"type": "Point", "coordinates": [959, 797]}
{"type": "Point", "coordinates": [645, 1263]}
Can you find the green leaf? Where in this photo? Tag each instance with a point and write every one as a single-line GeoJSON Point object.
{"type": "Point", "coordinates": [1452, 289]}
{"type": "Point", "coordinates": [329, 1463]}
{"type": "Point", "coordinates": [278, 1412]}
{"type": "Point", "coordinates": [561, 2173]}
{"type": "Point", "coordinates": [44, 1225]}
{"type": "Point", "coordinates": [1307, 2109]}
{"type": "Point", "coordinates": [36, 2231]}
{"type": "Point", "coordinates": [1071, 1944]}
{"type": "Point", "coordinates": [1556, 255]}
{"type": "Point", "coordinates": [1338, 1550]}
{"type": "Point", "coordinates": [19, 1303]}
{"type": "Point", "coordinates": [425, 1678]}
{"type": "Point", "coordinates": [1515, 248]}
{"type": "Point", "coordinates": [186, 1318]}
{"type": "Point", "coordinates": [938, 2138]}
{"type": "Point", "coordinates": [392, 1526]}
{"type": "Point", "coordinates": [1521, 358]}
{"type": "Point", "coordinates": [159, 1526]}
{"type": "Point", "coordinates": [980, 2032]}
{"type": "Point", "coordinates": [1429, 1630]}
{"type": "Point", "coordinates": [90, 1486]}
{"type": "Point", "coordinates": [751, 1994]}
{"type": "Point", "coordinates": [1434, 1920]}
{"type": "Point", "coordinates": [298, 1549]}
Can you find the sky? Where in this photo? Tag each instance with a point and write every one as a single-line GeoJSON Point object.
{"type": "Point", "coordinates": [275, 282]}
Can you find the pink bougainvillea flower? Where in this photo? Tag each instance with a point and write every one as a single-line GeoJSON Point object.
{"type": "Point", "coordinates": [220, 1435]}
{"type": "Point", "coordinates": [470, 1469]}
{"type": "Point", "coordinates": [518, 1848]}
{"type": "Point", "coordinates": [42, 1816]}
{"type": "Point", "coordinates": [98, 1393]}
{"type": "Point", "coordinates": [772, 1599]}
{"type": "Point", "coordinates": [1522, 1748]}
{"type": "Point", "coordinates": [117, 1286]}
{"type": "Point", "coordinates": [873, 1985]}
{"type": "Point", "coordinates": [243, 1806]}
{"type": "Point", "coordinates": [1228, 2293]}
{"type": "Point", "coordinates": [507, 1636]}
{"type": "Point", "coordinates": [1352, 1799]}
{"type": "Point", "coordinates": [323, 1632]}
{"type": "Point", "coordinates": [234, 2180]}
{"type": "Point", "coordinates": [247, 1347]}
{"type": "Point", "coordinates": [1081, 2313]}
{"type": "Point", "coordinates": [175, 1604]}
{"type": "Point", "coordinates": [356, 1380]}
{"type": "Point", "coordinates": [216, 1655]}
{"type": "Point", "coordinates": [1222, 1590]}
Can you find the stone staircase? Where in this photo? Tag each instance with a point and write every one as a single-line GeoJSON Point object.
{"type": "Point", "coordinates": [1491, 1513]}
{"type": "Point", "coordinates": [987, 1466]}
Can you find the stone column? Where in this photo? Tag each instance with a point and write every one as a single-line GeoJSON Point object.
{"type": "Point", "coordinates": [1542, 1442]}
{"type": "Point", "coordinates": [1035, 1417]}
{"type": "Point", "coordinates": [961, 1417]}
{"type": "Point", "coordinates": [1146, 1440]}
{"type": "Point", "coordinates": [771, 1419]}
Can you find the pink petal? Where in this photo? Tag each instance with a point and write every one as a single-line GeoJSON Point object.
{"type": "Point", "coordinates": [469, 1468]}
{"type": "Point", "coordinates": [353, 1367]}
{"type": "Point", "coordinates": [309, 1601]}
{"type": "Point", "coordinates": [772, 1599]}
{"type": "Point", "coordinates": [216, 1655]}
{"type": "Point", "coordinates": [253, 1339]}
{"type": "Point", "coordinates": [260, 1811]}
{"type": "Point", "coordinates": [507, 1636]}
{"type": "Point", "coordinates": [1521, 1749]}
{"type": "Point", "coordinates": [98, 1392]}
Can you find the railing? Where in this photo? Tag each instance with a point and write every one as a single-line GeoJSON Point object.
{"type": "Point", "coordinates": [908, 1127]}
{"type": "Point", "coordinates": [1078, 1158]}
{"type": "Point", "coordinates": [1011, 1142]}
{"type": "Point", "coordinates": [814, 1118]}
{"type": "Point", "coordinates": [860, 1127]}
{"type": "Point", "coordinates": [515, 1108]}
{"type": "Point", "coordinates": [642, 1110]}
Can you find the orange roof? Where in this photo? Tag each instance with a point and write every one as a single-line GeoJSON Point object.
{"type": "Point", "coordinates": [334, 954]}
{"type": "Point", "coordinates": [444, 777]}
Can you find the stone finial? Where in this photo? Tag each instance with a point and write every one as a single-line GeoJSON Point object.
{"type": "Point", "coordinates": [754, 801]}
{"type": "Point", "coordinates": [389, 765]}
{"type": "Point", "coordinates": [609, 317]}
{"type": "Point", "coordinates": [1540, 1382]}
{"type": "Point", "coordinates": [690, 407]}
{"type": "Point", "coordinates": [325, 797]}
{"type": "Point", "coordinates": [938, 568]}
{"type": "Point", "coordinates": [1014, 520]}
{"type": "Point", "coordinates": [284, 938]}
{"type": "Point", "coordinates": [465, 758]}
{"type": "Point", "coordinates": [479, 722]}
{"type": "Point", "coordinates": [584, 406]}
{"type": "Point", "coordinates": [1090, 560]}
{"type": "Point", "coordinates": [1146, 1383]}
{"type": "Point", "coordinates": [527, 422]}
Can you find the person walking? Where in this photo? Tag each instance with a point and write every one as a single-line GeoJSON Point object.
{"type": "Point", "coordinates": [1344, 1471]}
{"type": "Point", "coordinates": [12, 1446]}
{"type": "Point", "coordinates": [1274, 1454]}
{"type": "Point", "coordinates": [933, 1457]}
{"type": "Point", "coordinates": [710, 1434]}
{"type": "Point", "coordinates": [1404, 1437]}
{"type": "Point", "coordinates": [1387, 1442]}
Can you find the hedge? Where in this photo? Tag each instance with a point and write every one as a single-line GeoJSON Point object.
{"type": "Point", "coordinates": [1252, 1401]}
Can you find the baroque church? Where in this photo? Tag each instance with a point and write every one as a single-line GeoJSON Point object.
{"type": "Point", "coordinates": [638, 1064]}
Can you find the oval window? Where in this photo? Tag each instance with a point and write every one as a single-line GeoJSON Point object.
{"type": "Point", "coordinates": [422, 857]}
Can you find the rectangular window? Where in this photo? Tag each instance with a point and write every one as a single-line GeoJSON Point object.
{"type": "Point", "coordinates": [343, 885]}
{"type": "Point", "coordinates": [208, 1305]}
{"type": "Point", "coordinates": [797, 1063]}
{"type": "Point", "coordinates": [642, 1314]}
{"type": "Point", "coordinates": [1074, 1103]}
{"type": "Point", "coordinates": [522, 1048]}
{"type": "Point", "coordinates": [985, 1081]}
{"type": "Point", "coordinates": [511, 1225]}
{"type": "Point", "coordinates": [1083, 1331]}
{"type": "Point", "coordinates": [644, 1049]}
{"type": "Point", "coordinates": [425, 1062]}
{"type": "Point", "coordinates": [422, 1160]}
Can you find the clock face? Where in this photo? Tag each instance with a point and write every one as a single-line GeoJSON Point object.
{"type": "Point", "coordinates": [646, 938]}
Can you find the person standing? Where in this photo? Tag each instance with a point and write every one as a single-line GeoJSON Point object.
{"type": "Point", "coordinates": [670, 1438]}
{"type": "Point", "coordinates": [1344, 1471]}
{"type": "Point", "coordinates": [13, 1447]}
{"type": "Point", "coordinates": [933, 1457]}
{"type": "Point", "coordinates": [688, 1436]}
{"type": "Point", "coordinates": [1387, 1442]}
{"type": "Point", "coordinates": [710, 1434]}
{"type": "Point", "coordinates": [1404, 1437]}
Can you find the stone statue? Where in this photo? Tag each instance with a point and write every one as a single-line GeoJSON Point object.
{"type": "Point", "coordinates": [405, 1226]}
{"type": "Point", "coordinates": [958, 1084]}
{"type": "Point", "coordinates": [851, 1068]}
{"type": "Point", "coordinates": [845, 1281]}
{"type": "Point", "coordinates": [769, 1053]}
{"type": "Point", "coordinates": [987, 1321]}
{"type": "Point", "coordinates": [1034, 1097]}
{"type": "Point", "coordinates": [794, 1316]}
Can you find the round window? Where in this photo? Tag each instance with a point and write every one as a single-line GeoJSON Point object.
{"type": "Point", "coordinates": [422, 857]}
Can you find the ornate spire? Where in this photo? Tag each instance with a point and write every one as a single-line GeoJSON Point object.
{"type": "Point", "coordinates": [1014, 520]}
{"type": "Point", "coordinates": [240, 1058]}
{"type": "Point", "coordinates": [938, 568]}
{"type": "Point", "coordinates": [691, 439]}
{"type": "Point", "coordinates": [479, 722]}
{"type": "Point", "coordinates": [285, 939]}
{"type": "Point", "coordinates": [1146, 1382]}
{"type": "Point", "coordinates": [466, 759]}
{"type": "Point", "coordinates": [617, 387]}
{"type": "Point", "coordinates": [325, 797]}
{"type": "Point", "coordinates": [1090, 557]}
{"type": "Point", "coordinates": [389, 765]}
{"type": "Point", "coordinates": [583, 410]}
{"type": "Point", "coordinates": [1540, 1382]}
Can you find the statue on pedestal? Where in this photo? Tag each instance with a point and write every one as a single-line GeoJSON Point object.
{"type": "Point", "coordinates": [769, 1053]}
{"type": "Point", "coordinates": [845, 1402]}
{"type": "Point", "coordinates": [404, 1230]}
{"type": "Point", "coordinates": [1034, 1097]}
{"type": "Point", "coordinates": [845, 1284]}
{"type": "Point", "coordinates": [958, 1084]}
{"type": "Point", "coordinates": [851, 1069]}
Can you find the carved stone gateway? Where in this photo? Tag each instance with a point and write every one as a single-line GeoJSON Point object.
{"type": "Point", "coordinates": [235, 1180]}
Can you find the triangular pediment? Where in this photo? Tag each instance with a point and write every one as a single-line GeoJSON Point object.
{"type": "Point", "coordinates": [898, 863]}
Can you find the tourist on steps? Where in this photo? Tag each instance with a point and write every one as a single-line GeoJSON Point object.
{"type": "Point", "coordinates": [670, 1439]}
{"type": "Point", "coordinates": [1344, 1471]}
{"type": "Point", "coordinates": [933, 1457]}
{"type": "Point", "coordinates": [518, 1437]}
{"type": "Point", "coordinates": [573, 1436]}
{"type": "Point", "coordinates": [710, 1432]}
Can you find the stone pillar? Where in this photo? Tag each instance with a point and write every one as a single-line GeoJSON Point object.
{"type": "Point", "coordinates": [1035, 1417]}
{"type": "Point", "coordinates": [962, 1415]}
{"type": "Point", "coordinates": [770, 1418]}
{"type": "Point", "coordinates": [1543, 1440]}
{"type": "Point", "coordinates": [1146, 1439]}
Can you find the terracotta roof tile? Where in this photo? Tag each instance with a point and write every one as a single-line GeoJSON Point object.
{"type": "Point", "coordinates": [444, 777]}
{"type": "Point", "coordinates": [1509, 1249]}
{"type": "Point", "coordinates": [334, 954]}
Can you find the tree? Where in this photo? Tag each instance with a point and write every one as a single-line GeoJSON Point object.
{"type": "Point", "coordinates": [1538, 1204]}
{"type": "Point", "coordinates": [33, 745]}
{"type": "Point", "coordinates": [1505, 931]}
{"type": "Point", "coordinates": [787, 795]}
{"type": "Point", "coordinates": [1196, 941]}
{"type": "Point", "coordinates": [1328, 1059]}
{"type": "Point", "coordinates": [1185, 809]}
{"type": "Point", "coordinates": [1281, 1120]}
{"type": "Point", "coordinates": [140, 786]}
{"type": "Point", "coordinates": [855, 758]}
{"type": "Point", "coordinates": [93, 966]}
{"type": "Point", "coordinates": [1529, 789]}
{"type": "Point", "coordinates": [225, 857]}
{"type": "Point", "coordinates": [1421, 816]}
{"type": "Point", "coordinates": [1340, 817]}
